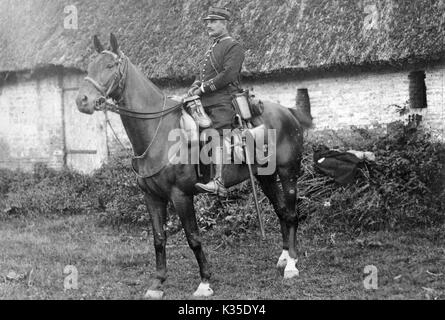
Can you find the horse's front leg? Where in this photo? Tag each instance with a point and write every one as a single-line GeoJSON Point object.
{"type": "Point", "coordinates": [184, 207]}
{"type": "Point", "coordinates": [158, 212]}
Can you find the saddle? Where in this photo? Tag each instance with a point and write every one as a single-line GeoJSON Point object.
{"type": "Point", "coordinates": [190, 140]}
{"type": "Point", "coordinates": [194, 120]}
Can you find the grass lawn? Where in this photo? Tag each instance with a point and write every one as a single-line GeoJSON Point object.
{"type": "Point", "coordinates": [117, 264]}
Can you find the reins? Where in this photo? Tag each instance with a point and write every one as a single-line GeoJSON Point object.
{"type": "Point", "coordinates": [108, 106]}
{"type": "Point", "coordinates": [156, 132]}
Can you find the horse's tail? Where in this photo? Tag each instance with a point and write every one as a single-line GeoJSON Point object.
{"type": "Point", "coordinates": [302, 117]}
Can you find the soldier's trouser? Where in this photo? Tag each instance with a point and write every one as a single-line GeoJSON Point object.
{"type": "Point", "coordinates": [222, 115]}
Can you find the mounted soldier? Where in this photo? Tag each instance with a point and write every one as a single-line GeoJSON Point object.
{"type": "Point", "coordinates": [115, 84]}
{"type": "Point", "coordinates": [217, 82]}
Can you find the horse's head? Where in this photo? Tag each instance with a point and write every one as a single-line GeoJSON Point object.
{"type": "Point", "coordinates": [104, 79]}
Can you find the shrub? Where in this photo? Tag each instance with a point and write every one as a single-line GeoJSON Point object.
{"type": "Point", "coordinates": [403, 189]}
{"type": "Point", "coordinates": [116, 195]}
{"type": "Point", "coordinates": [9, 178]}
{"type": "Point", "coordinates": [43, 192]}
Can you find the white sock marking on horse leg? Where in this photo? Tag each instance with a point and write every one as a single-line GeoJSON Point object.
{"type": "Point", "coordinates": [291, 270]}
{"type": "Point", "coordinates": [154, 294]}
{"type": "Point", "coordinates": [282, 260]}
{"type": "Point", "coordinates": [203, 290]}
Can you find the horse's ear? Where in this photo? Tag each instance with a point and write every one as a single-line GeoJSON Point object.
{"type": "Point", "coordinates": [113, 43]}
{"type": "Point", "coordinates": [97, 45]}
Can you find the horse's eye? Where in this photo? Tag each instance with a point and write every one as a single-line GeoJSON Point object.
{"type": "Point", "coordinates": [110, 65]}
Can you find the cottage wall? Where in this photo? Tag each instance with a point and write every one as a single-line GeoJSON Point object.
{"type": "Point", "coordinates": [434, 114]}
{"type": "Point", "coordinates": [339, 101]}
{"type": "Point", "coordinates": [40, 123]}
{"type": "Point", "coordinates": [30, 123]}
{"type": "Point", "coordinates": [363, 100]}
{"type": "Point", "coordinates": [366, 99]}
{"type": "Point", "coordinates": [34, 127]}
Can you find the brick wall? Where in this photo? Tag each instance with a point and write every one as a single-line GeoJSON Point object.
{"type": "Point", "coordinates": [39, 122]}
{"type": "Point", "coordinates": [339, 101]}
{"type": "Point", "coordinates": [31, 126]}
{"type": "Point", "coordinates": [434, 114]}
{"type": "Point", "coordinates": [364, 100]}
{"type": "Point", "coordinates": [30, 123]}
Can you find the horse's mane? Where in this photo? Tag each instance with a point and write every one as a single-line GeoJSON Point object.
{"type": "Point", "coordinates": [145, 80]}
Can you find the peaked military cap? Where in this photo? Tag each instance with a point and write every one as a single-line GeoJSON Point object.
{"type": "Point", "coordinates": [216, 13]}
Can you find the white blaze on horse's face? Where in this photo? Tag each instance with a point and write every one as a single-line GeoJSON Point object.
{"type": "Point", "coordinates": [102, 70]}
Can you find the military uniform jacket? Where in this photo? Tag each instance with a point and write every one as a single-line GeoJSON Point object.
{"type": "Point", "coordinates": [220, 71]}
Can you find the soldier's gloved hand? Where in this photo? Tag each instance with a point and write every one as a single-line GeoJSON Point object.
{"type": "Point", "coordinates": [197, 92]}
{"type": "Point", "coordinates": [191, 90]}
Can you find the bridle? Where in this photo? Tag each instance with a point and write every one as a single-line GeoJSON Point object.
{"type": "Point", "coordinates": [107, 103]}
{"type": "Point", "coordinates": [118, 81]}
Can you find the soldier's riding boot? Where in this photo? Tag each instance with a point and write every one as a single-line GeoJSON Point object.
{"type": "Point", "coordinates": [215, 186]}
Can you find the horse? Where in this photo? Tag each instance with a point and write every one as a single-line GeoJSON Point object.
{"type": "Point", "coordinates": [147, 115]}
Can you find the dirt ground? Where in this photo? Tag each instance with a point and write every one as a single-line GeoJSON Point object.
{"type": "Point", "coordinates": [116, 264]}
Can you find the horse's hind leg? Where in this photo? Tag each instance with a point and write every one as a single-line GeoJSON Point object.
{"type": "Point", "coordinates": [272, 190]}
{"type": "Point", "coordinates": [288, 178]}
{"type": "Point", "coordinates": [158, 212]}
{"type": "Point", "coordinates": [184, 207]}
{"type": "Point", "coordinates": [284, 202]}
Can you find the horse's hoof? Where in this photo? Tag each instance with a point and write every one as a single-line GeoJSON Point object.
{"type": "Point", "coordinates": [291, 270]}
{"type": "Point", "coordinates": [154, 294]}
{"type": "Point", "coordinates": [203, 290]}
{"type": "Point", "coordinates": [282, 260]}
{"type": "Point", "coordinates": [289, 274]}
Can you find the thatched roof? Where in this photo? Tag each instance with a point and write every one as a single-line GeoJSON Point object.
{"type": "Point", "coordinates": [165, 38]}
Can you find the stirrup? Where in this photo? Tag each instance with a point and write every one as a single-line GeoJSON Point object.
{"type": "Point", "coordinates": [215, 186]}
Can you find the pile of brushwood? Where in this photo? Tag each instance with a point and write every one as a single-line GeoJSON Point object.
{"type": "Point", "coordinates": [402, 189]}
